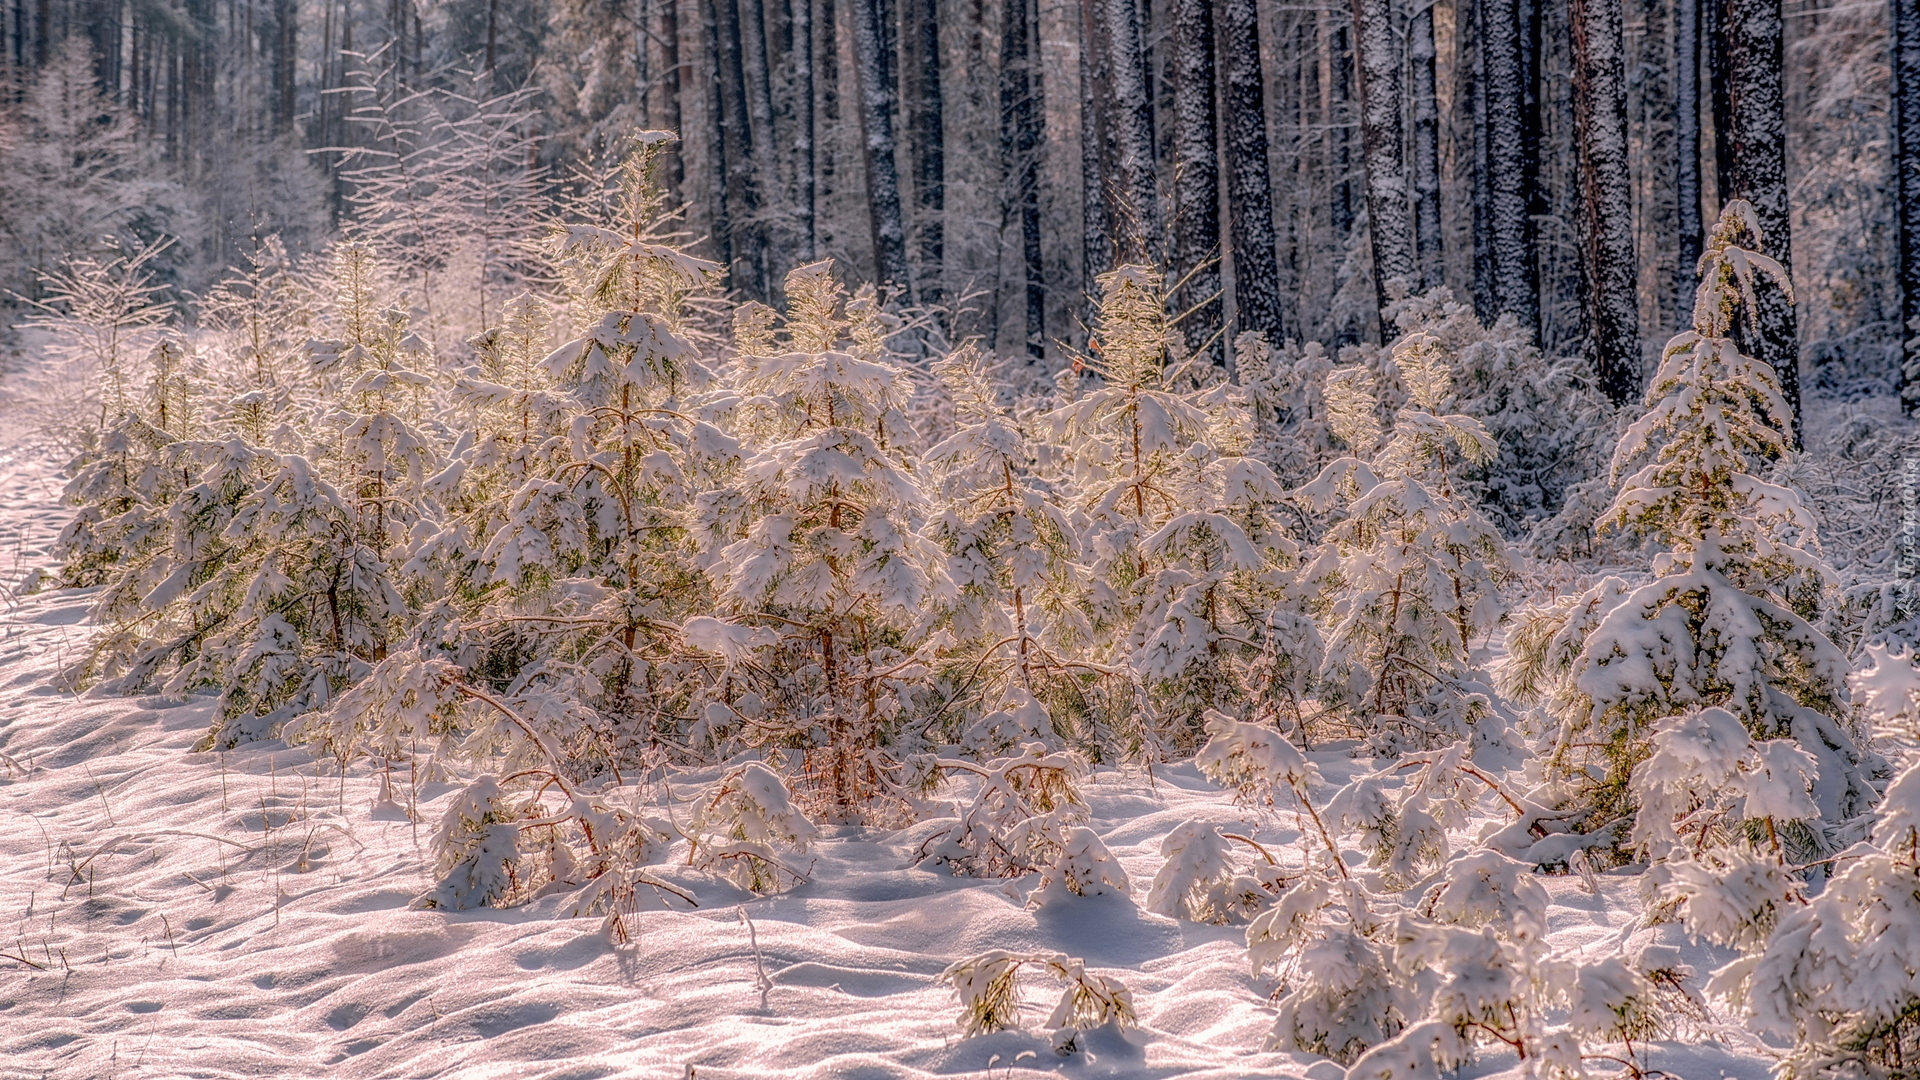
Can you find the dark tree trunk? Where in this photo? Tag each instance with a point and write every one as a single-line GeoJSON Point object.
{"type": "Point", "coordinates": [1339, 121]}
{"type": "Point", "coordinates": [1600, 104]}
{"type": "Point", "coordinates": [1713, 43]}
{"type": "Point", "coordinates": [670, 77]}
{"type": "Point", "coordinates": [1906, 125]}
{"type": "Point", "coordinates": [734, 153]}
{"type": "Point", "coordinates": [876, 125]}
{"type": "Point", "coordinates": [1511, 261]}
{"type": "Point", "coordinates": [1196, 183]}
{"type": "Point", "coordinates": [1096, 224]}
{"type": "Point", "coordinates": [928, 148]}
{"type": "Point", "coordinates": [1256, 271]}
{"type": "Point", "coordinates": [1426, 146]}
{"type": "Point", "coordinates": [763, 156]}
{"type": "Point", "coordinates": [1389, 212]}
{"type": "Point", "coordinates": [1686, 138]}
{"type": "Point", "coordinates": [1132, 133]}
{"type": "Point", "coordinates": [1758, 133]}
{"type": "Point", "coordinates": [805, 185]}
{"type": "Point", "coordinates": [1020, 160]}
{"type": "Point", "coordinates": [1471, 59]}
{"type": "Point", "coordinates": [285, 53]}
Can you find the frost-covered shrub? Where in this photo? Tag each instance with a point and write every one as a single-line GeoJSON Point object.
{"type": "Point", "coordinates": [748, 826]}
{"type": "Point", "coordinates": [1019, 817]}
{"type": "Point", "coordinates": [988, 989]}
{"type": "Point", "coordinates": [1082, 867]}
{"type": "Point", "coordinates": [1411, 574]}
{"type": "Point", "coordinates": [1836, 973]}
{"type": "Point", "coordinates": [1187, 549]}
{"type": "Point", "coordinates": [1201, 880]}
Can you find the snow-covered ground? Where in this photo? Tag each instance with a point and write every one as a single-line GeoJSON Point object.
{"type": "Point", "coordinates": [170, 913]}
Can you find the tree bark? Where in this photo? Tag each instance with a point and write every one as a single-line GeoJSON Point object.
{"type": "Point", "coordinates": [805, 182]}
{"type": "Point", "coordinates": [1471, 61]}
{"type": "Point", "coordinates": [285, 53]}
{"type": "Point", "coordinates": [1758, 134]}
{"type": "Point", "coordinates": [1906, 124]}
{"type": "Point", "coordinates": [876, 126]}
{"type": "Point", "coordinates": [1339, 122]}
{"type": "Point", "coordinates": [1132, 133]}
{"type": "Point", "coordinates": [1686, 137]}
{"type": "Point", "coordinates": [1511, 256]}
{"type": "Point", "coordinates": [1389, 216]}
{"type": "Point", "coordinates": [1426, 146]}
{"type": "Point", "coordinates": [1196, 178]}
{"type": "Point", "coordinates": [1600, 105]}
{"type": "Point", "coordinates": [928, 149]}
{"type": "Point", "coordinates": [763, 158]}
{"type": "Point", "coordinates": [1256, 271]}
{"type": "Point", "coordinates": [1713, 44]}
{"type": "Point", "coordinates": [1096, 224]}
{"type": "Point", "coordinates": [1020, 160]}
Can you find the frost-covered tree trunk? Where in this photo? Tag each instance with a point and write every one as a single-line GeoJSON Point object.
{"type": "Point", "coordinates": [1686, 162]}
{"type": "Point", "coordinates": [1096, 225]}
{"type": "Point", "coordinates": [806, 185]}
{"type": "Point", "coordinates": [1256, 271]}
{"type": "Point", "coordinates": [876, 126]}
{"type": "Point", "coordinates": [764, 162]}
{"type": "Point", "coordinates": [1131, 129]}
{"type": "Point", "coordinates": [1389, 212]}
{"type": "Point", "coordinates": [928, 150]}
{"type": "Point", "coordinates": [1906, 164]}
{"type": "Point", "coordinates": [1020, 161]}
{"type": "Point", "coordinates": [1509, 217]}
{"type": "Point", "coordinates": [1600, 100]}
{"type": "Point", "coordinates": [1339, 39]}
{"type": "Point", "coordinates": [1426, 146]}
{"type": "Point", "coordinates": [1196, 177]}
{"type": "Point", "coordinates": [1758, 135]}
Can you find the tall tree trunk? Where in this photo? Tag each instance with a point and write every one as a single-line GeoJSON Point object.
{"type": "Point", "coordinates": [928, 148]}
{"type": "Point", "coordinates": [1509, 196]}
{"type": "Point", "coordinates": [1389, 213]}
{"type": "Point", "coordinates": [732, 150]}
{"type": "Point", "coordinates": [670, 79]}
{"type": "Point", "coordinates": [1426, 146]}
{"type": "Point", "coordinates": [1339, 121]}
{"type": "Point", "coordinates": [1906, 127]}
{"type": "Point", "coordinates": [763, 159]}
{"type": "Point", "coordinates": [1686, 138]}
{"type": "Point", "coordinates": [876, 125]}
{"type": "Point", "coordinates": [1256, 271]}
{"type": "Point", "coordinates": [1196, 177]}
{"type": "Point", "coordinates": [1020, 160]}
{"type": "Point", "coordinates": [285, 53]}
{"type": "Point", "coordinates": [1600, 105]}
{"type": "Point", "coordinates": [1471, 61]}
{"type": "Point", "coordinates": [1096, 224]}
{"type": "Point", "coordinates": [1758, 131]}
{"type": "Point", "coordinates": [1713, 15]}
{"type": "Point", "coordinates": [1132, 134]}
{"type": "Point", "coordinates": [805, 183]}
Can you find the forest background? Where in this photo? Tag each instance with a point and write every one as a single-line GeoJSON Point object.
{"type": "Point", "coordinates": [990, 159]}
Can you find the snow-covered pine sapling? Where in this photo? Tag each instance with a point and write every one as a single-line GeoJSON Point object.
{"type": "Point", "coordinates": [1019, 816]}
{"type": "Point", "coordinates": [1255, 761]}
{"type": "Point", "coordinates": [1202, 881]}
{"type": "Point", "coordinates": [587, 462]}
{"type": "Point", "coordinates": [1181, 525]}
{"type": "Point", "coordinates": [1083, 867]}
{"type": "Point", "coordinates": [989, 992]}
{"type": "Point", "coordinates": [102, 316]}
{"type": "Point", "coordinates": [1019, 607]}
{"type": "Point", "coordinates": [1338, 994]}
{"type": "Point", "coordinates": [1727, 620]}
{"type": "Point", "coordinates": [479, 846]}
{"type": "Point", "coordinates": [1708, 783]}
{"type": "Point", "coordinates": [1836, 975]}
{"type": "Point", "coordinates": [748, 827]}
{"type": "Point", "coordinates": [822, 543]}
{"type": "Point", "coordinates": [1411, 574]}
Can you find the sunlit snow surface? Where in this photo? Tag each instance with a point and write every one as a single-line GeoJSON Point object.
{"type": "Point", "coordinates": [167, 913]}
